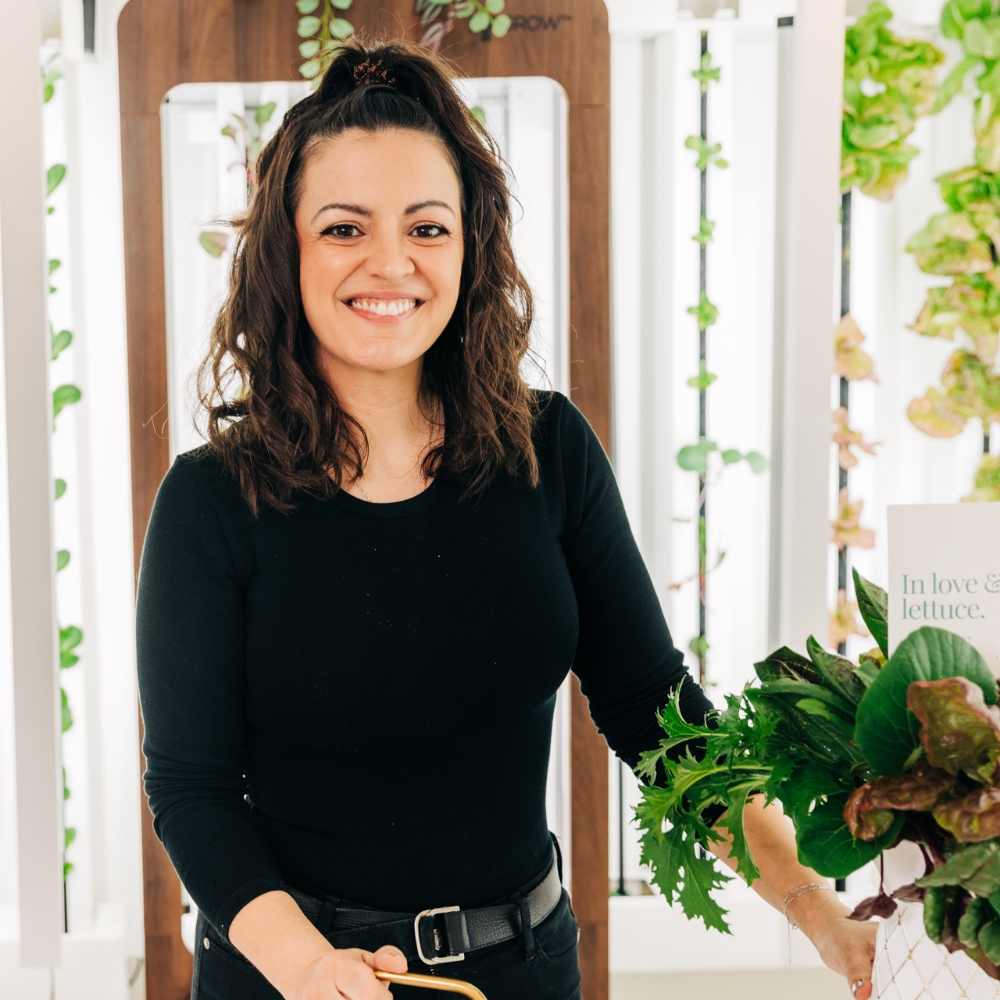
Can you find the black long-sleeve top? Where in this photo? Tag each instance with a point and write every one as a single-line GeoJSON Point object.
{"type": "Point", "coordinates": [359, 696]}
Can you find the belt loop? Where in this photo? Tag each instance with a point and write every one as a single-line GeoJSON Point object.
{"type": "Point", "coordinates": [526, 928]}
{"type": "Point", "coordinates": [327, 916]}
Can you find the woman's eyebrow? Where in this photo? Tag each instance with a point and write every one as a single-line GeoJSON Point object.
{"type": "Point", "coordinates": [356, 209]}
{"type": "Point", "coordinates": [413, 209]}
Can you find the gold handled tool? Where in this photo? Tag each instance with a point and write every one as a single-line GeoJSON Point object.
{"type": "Point", "coordinates": [431, 983]}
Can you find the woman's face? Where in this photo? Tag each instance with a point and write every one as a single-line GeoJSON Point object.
{"type": "Point", "coordinates": [380, 248]}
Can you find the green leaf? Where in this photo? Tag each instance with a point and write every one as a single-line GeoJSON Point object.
{"type": "Point", "coordinates": [802, 689]}
{"type": "Point", "coordinates": [342, 4]}
{"type": "Point", "coordinates": [873, 604]}
{"type": "Point", "coordinates": [694, 457]}
{"type": "Point", "coordinates": [705, 229]}
{"type": "Point", "coordinates": [975, 868]}
{"type": "Point", "coordinates": [63, 396]}
{"type": "Point", "coordinates": [756, 461]}
{"type": "Point", "coordinates": [837, 671]}
{"type": "Point", "coordinates": [60, 341]}
{"type": "Point", "coordinates": [263, 113]}
{"type": "Point", "coordinates": [54, 176]}
{"type": "Point", "coordinates": [812, 706]}
{"type": "Point", "coordinates": [826, 844]}
{"type": "Point", "coordinates": [887, 731]}
{"type": "Point", "coordinates": [733, 822]}
{"type": "Point", "coordinates": [340, 28]}
{"type": "Point", "coordinates": [721, 163]}
{"type": "Point", "coordinates": [978, 40]}
{"type": "Point", "coordinates": [705, 311]}
{"type": "Point", "coordinates": [682, 876]}
{"type": "Point", "coordinates": [309, 48]}
{"type": "Point", "coordinates": [308, 26]}
{"type": "Point", "coordinates": [306, 6]}
{"type": "Point", "coordinates": [69, 638]}
{"type": "Point", "coordinates": [703, 380]}
{"type": "Point", "coordinates": [494, 6]}
{"type": "Point", "coordinates": [60, 487]}
{"type": "Point", "coordinates": [54, 265]}
{"type": "Point", "coordinates": [67, 715]}
{"type": "Point", "coordinates": [466, 10]}
{"type": "Point", "coordinates": [731, 456]}
{"type": "Point", "coordinates": [805, 785]}
{"type": "Point", "coordinates": [953, 83]}
{"type": "Point", "coordinates": [989, 940]}
{"type": "Point", "coordinates": [977, 913]}
{"type": "Point", "coordinates": [479, 21]}
{"type": "Point", "coordinates": [308, 70]}
{"type": "Point", "coordinates": [213, 242]}
{"type": "Point", "coordinates": [69, 835]}
{"type": "Point", "coordinates": [501, 25]}
{"type": "Point", "coordinates": [786, 663]}
{"type": "Point", "coordinates": [62, 559]}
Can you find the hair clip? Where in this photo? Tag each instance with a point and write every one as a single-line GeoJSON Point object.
{"type": "Point", "coordinates": [372, 73]}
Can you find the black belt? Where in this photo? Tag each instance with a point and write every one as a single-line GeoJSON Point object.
{"type": "Point", "coordinates": [442, 934]}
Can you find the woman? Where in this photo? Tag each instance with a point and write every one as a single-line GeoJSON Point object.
{"type": "Point", "coordinates": [357, 602]}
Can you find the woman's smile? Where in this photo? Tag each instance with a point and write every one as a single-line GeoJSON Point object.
{"type": "Point", "coordinates": [384, 307]}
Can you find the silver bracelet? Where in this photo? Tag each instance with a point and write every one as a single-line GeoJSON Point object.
{"type": "Point", "coordinates": [801, 890]}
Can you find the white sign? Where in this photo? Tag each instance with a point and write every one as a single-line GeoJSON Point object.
{"type": "Point", "coordinates": [944, 571]}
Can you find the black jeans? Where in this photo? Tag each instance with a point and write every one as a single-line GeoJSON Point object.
{"type": "Point", "coordinates": [502, 972]}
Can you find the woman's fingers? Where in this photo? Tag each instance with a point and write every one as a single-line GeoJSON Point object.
{"type": "Point", "coordinates": [387, 959]}
{"type": "Point", "coordinates": [346, 974]}
{"type": "Point", "coordinates": [861, 986]}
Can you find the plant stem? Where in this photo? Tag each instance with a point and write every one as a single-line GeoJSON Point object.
{"type": "Point", "coordinates": [845, 386]}
{"type": "Point", "coordinates": [702, 421]}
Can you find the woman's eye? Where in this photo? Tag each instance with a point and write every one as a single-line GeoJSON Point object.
{"type": "Point", "coordinates": [429, 231]}
{"type": "Point", "coordinates": [342, 231]}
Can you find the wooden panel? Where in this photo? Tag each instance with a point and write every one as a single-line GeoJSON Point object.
{"type": "Point", "coordinates": [163, 43]}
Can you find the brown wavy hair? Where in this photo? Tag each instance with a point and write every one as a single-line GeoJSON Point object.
{"type": "Point", "coordinates": [272, 418]}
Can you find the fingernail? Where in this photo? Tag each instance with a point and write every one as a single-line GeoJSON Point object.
{"type": "Point", "coordinates": [856, 986]}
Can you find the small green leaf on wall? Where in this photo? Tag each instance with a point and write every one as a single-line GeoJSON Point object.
{"type": "Point", "coordinates": [694, 457]}
{"type": "Point", "coordinates": [63, 396]}
{"type": "Point", "coordinates": [60, 487]}
{"type": "Point", "coordinates": [340, 28]}
{"type": "Point", "coordinates": [60, 341]}
{"type": "Point", "coordinates": [307, 6]}
{"type": "Point", "coordinates": [705, 312]}
{"type": "Point", "coordinates": [309, 48]}
{"type": "Point", "coordinates": [62, 560]}
{"type": "Point", "coordinates": [49, 77]}
{"type": "Point", "coordinates": [756, 461]}
{"type": "Point", "coordinates": [69, 639]}
{"type": "Point", "coordinates": [494, 6]}
{"type": "Point", "coordinates": [706, 72]}
{"type": "Point", "coordinates": [707, 155]}
{"type": "Point", "coordinates": [54, 176]}
{"type": "Point", "coordinates": [699, 646]}
{"type": "Point", "coordinates": [308, 26]}
{"type": "Point", "coordinates": [342, 4]}
{"type": "Point", "coordinates": [309, 70]}
{"type": "Point", "coordinates": [705, 229]}
{"type": "Point", "coordinates": [703, 379]}
{"type": "Point", "coordinates": [479, 21]}
{"type": "Point", "coordinates": [70, 836]}
{"type": "Point", "coordinates": [501, 25]}
{"type": "Point", "coordinates": [263, 113]}
{"type": "Point", "coordinates": [66, 791]}
{"type": "Point", "coordinates": [730, 456]}
{"type": "Point", "coordinates": [54, 265]}
{"type": "Point", "coordinates": [67, 715]}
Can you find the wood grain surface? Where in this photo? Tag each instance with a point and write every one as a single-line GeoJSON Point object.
{"type": "Point", "coordinates": [162, 43]}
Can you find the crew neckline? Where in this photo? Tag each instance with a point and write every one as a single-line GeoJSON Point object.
{"type": "Point", "coordinates": [397, 508]}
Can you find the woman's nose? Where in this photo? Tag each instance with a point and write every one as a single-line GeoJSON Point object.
{"type": "Point", "coordinates": [388, 257]}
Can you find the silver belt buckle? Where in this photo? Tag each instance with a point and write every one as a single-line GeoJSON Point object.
{"type": "Point", "coordinates": [433, 959]}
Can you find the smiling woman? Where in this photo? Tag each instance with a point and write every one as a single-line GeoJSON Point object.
{"type": "Point", "coordinates": [378, 189]}
{"type": "Point", "coordinates": [358, 601]}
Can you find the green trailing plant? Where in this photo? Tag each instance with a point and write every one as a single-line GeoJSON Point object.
{"type": "Point", "coordinates": [64, 395]}
{"type": "Point", "coordinates": [889, 83]}
{"type": "Point", "coordinates": [962, 244]}
{"type": "Point", "coordinates": [697, 457]}
{"type": "Point", "coordinates": [860, 756]}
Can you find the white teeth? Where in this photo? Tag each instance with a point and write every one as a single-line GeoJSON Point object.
{"type": "Point", "coordinates": [384, 307]}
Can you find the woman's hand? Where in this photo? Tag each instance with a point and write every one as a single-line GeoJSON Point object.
{"type": "Point", "coordinates": [349, 974]}
{"type": "Point", "coordinates": [847, 947]}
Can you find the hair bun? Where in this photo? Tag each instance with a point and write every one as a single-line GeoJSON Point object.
{"type": "Point", "coordinates": [373, 73]}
